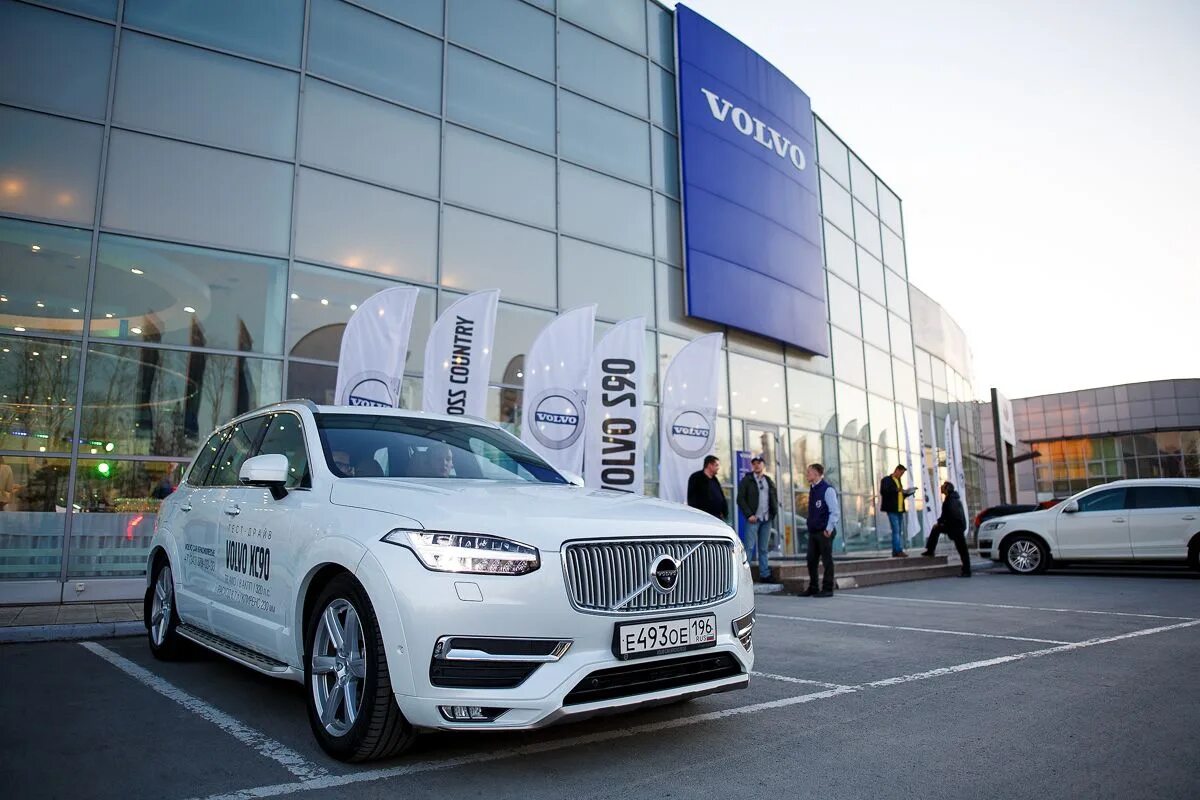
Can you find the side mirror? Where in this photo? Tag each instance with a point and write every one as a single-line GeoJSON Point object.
{"type": "Point", "coordinates": [1071, 508]}
{"type": "Point", "coordinates": [571, 477]}
{"type": "Point", "coordinates": [269, 470]}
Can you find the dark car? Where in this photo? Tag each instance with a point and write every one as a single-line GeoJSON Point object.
{"type": "Point", "coordinates": [1010, 509]}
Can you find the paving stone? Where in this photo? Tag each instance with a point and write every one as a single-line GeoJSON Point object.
{"type": "Point", "coordinates": [37, 615]}
{"type": "Point", "coordinates": [76, 614]}
{"type": "Point", "coordinates": [115, 612]}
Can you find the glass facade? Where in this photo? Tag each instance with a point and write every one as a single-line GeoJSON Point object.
{"type": "Point", "coordinates": [193, 200]}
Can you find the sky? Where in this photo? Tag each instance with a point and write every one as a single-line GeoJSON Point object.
{"type": "Point", "coordinates": [1046, 154]}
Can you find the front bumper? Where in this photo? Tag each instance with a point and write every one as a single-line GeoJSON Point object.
{"type": "Point", "coordinates": [432, 605]}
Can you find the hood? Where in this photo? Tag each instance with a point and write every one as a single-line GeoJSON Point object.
{"type": "Point", "coordinates": [542, 515]}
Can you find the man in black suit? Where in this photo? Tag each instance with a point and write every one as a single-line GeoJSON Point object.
{"type": "Point", "coordinates": [953, 523]}
{"type": "Point", "coordinates": [705, 492]}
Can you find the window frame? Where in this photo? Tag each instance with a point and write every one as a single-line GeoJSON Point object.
{"type": "Point", "coordinates": [305, 481]}
{"type": "Point", "coordinates": [1124, 506]}
{"type": "Point", "coordinates": [208, 481]}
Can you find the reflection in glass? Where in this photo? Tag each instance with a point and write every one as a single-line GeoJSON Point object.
{"type": "Point", "coordinates": [43, 277]}
{"type": "Point", "coordinates": [268, 29]}
{"type": "Point", "coordinates": [33, 496]}
{"type": "Point", "coordinates": [598, 69]}
{"type": "Point", "coordinates": [54, 61]}
{"type": "Point", "coordinates": [38, 383]}
{"type": "Point", "coordinates": [174, 294]}
{"type": "Point", "coordinates": [621, 284]}
{"type": "Point", "coordinates": [426, 14]}
{"type": "Point", "coordinates": [811, 398]}
{"type": "Point", "coordinates": [116, 503]}
{"type": "Point", "coordinates": [482, 252]}
{"type": "Point", "coordinates": [150, 401]}
{"type": "Point", "coordinates": [314, 382]}
{"type": "Point", "coordinates": [492, 175]}
{"type": "Point", "coordinates": [848, 357]}
{"type": "Point", "coordinates": [756, 389]}
{"type": "Point", "coordinates": [48, 166]}
{"type": "Point", "coordinates": [852, 410]}
{"type": "Point", "coordinates": [605, 210]}
{"type": "Point", "coordinates": [622, 21]}
{"type": "Point", "coordinates": [599, 137]}
{"type": "Point", "coordinates": [494, 98]}
{"type": "Point", "coordinates": [507, 30]}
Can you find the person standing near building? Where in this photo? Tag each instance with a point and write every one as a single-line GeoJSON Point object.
{"type": "Point", "coordinates": [953, 523]}
{"type": "Point", "coordinates": [892, 501]}
{"type": "Point", "coordinates": [758, 500]}
{"type": "Point", "coordinates": [7, 487]}
{"type": "Point", "coordinates": [824, 516]}
{"type": "Point", "coordinates": [704, 490]}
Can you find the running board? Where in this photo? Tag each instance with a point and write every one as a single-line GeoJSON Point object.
{"type": "Point", "coordinates": [236, 652]}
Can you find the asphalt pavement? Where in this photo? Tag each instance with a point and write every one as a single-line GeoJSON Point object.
{"type": "Point", "coordinates": [1072, 684]}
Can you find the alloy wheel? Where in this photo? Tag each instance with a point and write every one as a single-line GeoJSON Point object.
{"type": "Point", "coordinates": [1024, 555]}
{"type": "Point", "coordinates": [338, 667]}
{"type": "Point", "coordinates": [161, 606]}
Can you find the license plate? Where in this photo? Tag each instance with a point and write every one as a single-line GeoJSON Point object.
{"type": "Point", "coordinates": [640, 639]}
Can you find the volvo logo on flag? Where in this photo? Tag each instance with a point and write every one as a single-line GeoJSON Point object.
{"type": "Point", "coordinates": [370, 389]}
{"type": "Point", "coordinates": [665, 573]}
{"type": "Point", "coordinates": [557, 418]}
{"type": "Point", "coordinates": [691, 433]}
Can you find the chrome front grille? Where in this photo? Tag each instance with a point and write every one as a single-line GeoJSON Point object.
{"type": "Point", "coordinates": [613, 577]}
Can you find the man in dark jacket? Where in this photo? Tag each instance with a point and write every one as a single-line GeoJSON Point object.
{"type": "Point", "coordinates": [893, 501]}
{"type": "Point", "coordinates": [758, 501]}
{"type": "Point", "coordinates": [705, 492]}
{"type": "Point", "coordinates": [953, 523]}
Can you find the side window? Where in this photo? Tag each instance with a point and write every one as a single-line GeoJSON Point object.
{"type": "Point", "coordinates": [238, 447]}
{"type": "Point", "coordinates": [1161, 497]}
{"type": "Point", "coordinates": [285, 436]}
{"type": "Point", "coordinates": [199, 471]}
{"type": "Point", "coordinates": [1110, 500]}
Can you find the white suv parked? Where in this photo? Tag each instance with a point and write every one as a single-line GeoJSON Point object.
{"type": "Point", "coordinates": [1154, 520]}
{"type": "Point", "coordinates": [419, 571]}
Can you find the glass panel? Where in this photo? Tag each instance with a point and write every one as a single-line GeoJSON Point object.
{"type": "Point", "coordinates": [848, 357]}
{"type": "Point", "coordinates": [1110, 500]}
{"type": "Point", "coordinates": [866, 230]}
{"type": "Point", "coordinates": [839, 254]}
{"type": "Point", "coordinates": [668, 230]}
{"type": "Point", "coordinates": [360, 49]}
{"type": "Point", "coordinates": [897, 293]}
{"type": "Point", "coordinates": [666, 162]}
{"type": "Point", "coordinates": [856, 473]}
{"type": "Point", "coordinates": [862, 182]}
{"type": "Point", "coordinates": [879, 371]}
{"type": "Point", "coordinates": [601, 70]}
{"type": "Point", "coordinates": [604, 209]}
{"type": "Point", "coordinates": [239, 445]}
{"type": "Point", "coordinates": [852, 409]}
{"type": "Point", "coordinates": [622, 285]}
{"type": "Point", "coordinates": [893, 252]}
{"type": "Point", "coordinates": [48, 166]}
{"type": "Point", "coordinates": [811, 398]}
{"type": "Point", "coordinates": [843, 306]}
{"type": "Point", "coordinates": [54, 61]}
{"type": "Point", "coordinates": [902, 346]}
{"type": "Point", "coordinates": [43, 277]}
{"type": "Point", "coordinates": [883, 425]}
{"type": "Point", "coordinates": [875, 323]}
{"type": "Point", "coordinates": [889, 209]}
{"type": "Point", "coordinates": [500, 100]}
{"type": "Point", "coordinates": [314, 382]}
{"type": "Point", "coordinates": [662, 34]}
{"type": "Point", "coordinates": [870, 276]}
{"type": "Point", "coordinates": [197, 475]}
{"type": "Point", "coordinates": [38, 382]}
{"type": "Point", "coordinates": [321, 303]}
{"type": "Point", "coordinates": [166, 402]}
{"type": "Point", "coordinates": [662, 99]}
{"type": "Point", "coordinates": [97, 8]}
{"type": "Point", "coordinates": [196, 94]}
{"type": "Point", "coordinates": [269, 29]}
{"type": "Point", "coordinates": [34, 516]}
{"type": "Point", "coordinates": [507, 30]}
{"type": "Point", "coordinates": [622, 21]}
{"type": "Point", "coordinates": [669, 303]}
{"type": "Point", "coordinates": [355, 134]}
{"type": "Point", "coordinates": [116, 503]}
{"type": "Point", "coordinates": [669, 346]}
{"type": "Point", "coordinates": [835, 203]}
{"type": "Point", "coordinates": [197, 194]}
{"type": "Point", "coordinates": [832, 154]}
{"type": "Point", "coordinates": [906, 384]}
{"type": "Point", "coordinates": [364, 227]}
{"type": "Point", "coordinates": [481, 252]}
{"type": "Point", "coordinates": [756, 389]}
{"type": "Point", "coordinates": [608, 140]}
{"type": "Point", "coordinates": [285, 436]}
{"type": "Point", "coordinates": [492, 175]}
{"type": "Point", "coordinates": [516, 328]}
{"type": "Point", "coordinates": [425, 14]}
{"type": "Point", "coordinates": [174, 294]}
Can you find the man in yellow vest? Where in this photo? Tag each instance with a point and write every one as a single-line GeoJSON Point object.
{"type": "Point", "coordinates": [892, 501]}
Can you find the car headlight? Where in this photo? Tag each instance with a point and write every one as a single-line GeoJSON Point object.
{"type": "Point", "coordinates": [739, 554]}
{"type": "Point", "coordinates": [468, 552]}
{"type": "Point", "coordinates": [993, 526]}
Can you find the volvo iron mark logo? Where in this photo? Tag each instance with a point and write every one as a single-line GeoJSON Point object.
{"type": "Point", "coordinates": [370, 389]}
{"type": "Point", "coordinates": [557, 418]}
{"type": "Point", "coordinates": [691, 433]}
{"type": "Point", "coordinates": [665, 573]}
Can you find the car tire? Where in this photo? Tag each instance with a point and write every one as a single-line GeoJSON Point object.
{"type": "Point", "coordinates": [161, 617]}
{"type": "Point", "coordinates": [351, 708]}
{"type": "Point", "coordinates": [1194, 554]}
{"type": "Point", "coordinates": [1025, 555]}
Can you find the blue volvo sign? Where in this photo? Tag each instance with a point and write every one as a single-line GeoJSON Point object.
{"type": "Point", "coordinates": [751, 213]}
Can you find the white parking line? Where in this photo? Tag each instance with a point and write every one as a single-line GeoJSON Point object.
{"type": "Point", "coordinates": [803, 681]}
{"type": "Point", "coordinates": [857, 596]}
{"type": "Point", "coordinates": [366, 776]}
{"type": "Point", "coordinates": [760, 615]}
{"type": "Point", "coordinates": [292, 761]}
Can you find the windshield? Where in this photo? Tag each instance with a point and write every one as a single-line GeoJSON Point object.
{"type": "Point", "coordinates": [368, 446]}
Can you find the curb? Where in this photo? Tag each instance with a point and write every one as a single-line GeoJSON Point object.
{"type": "Point", "coordinates": [70, 633]}
{"type": "Point", "coordinates": [768, 588]}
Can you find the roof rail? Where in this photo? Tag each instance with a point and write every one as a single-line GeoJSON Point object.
{"type": "Point", "coordinates": [303, 401]}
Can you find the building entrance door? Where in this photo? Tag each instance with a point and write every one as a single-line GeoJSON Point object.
{"type": "Point", "coordinates": [766, 441]}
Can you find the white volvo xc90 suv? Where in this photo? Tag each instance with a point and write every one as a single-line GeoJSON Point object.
{"type": "Point", "coordinates": [418, 571]}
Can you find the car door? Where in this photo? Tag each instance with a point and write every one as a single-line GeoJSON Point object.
{"type": "Point", "coordinates": [266, 536]}
{"type": "Point", "coordinates": [1098, 529]}
{"type": "Point", "coordinates": [1163, 520]}
{"type": "Point", "coordinates": [195, 534]}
